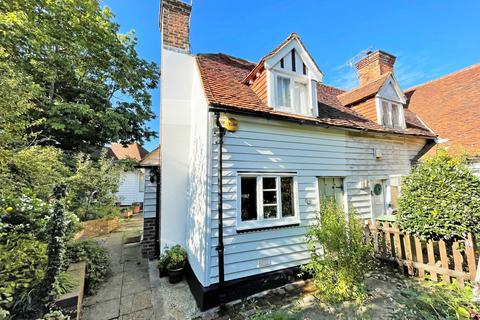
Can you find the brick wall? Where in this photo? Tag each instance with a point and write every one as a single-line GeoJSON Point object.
{"type": "Point", "coordinates": [148, 242]}
{"type": "Point", "coordinates": [175, 24]}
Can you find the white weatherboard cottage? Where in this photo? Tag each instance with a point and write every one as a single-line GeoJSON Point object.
{"type": "Point", "coordinates": [296, 141]}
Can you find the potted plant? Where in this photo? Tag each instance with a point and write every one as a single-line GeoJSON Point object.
{"type": "Point", "coordinates": [127, 212]}
{"type": "Point", "coordinates": [173, 260]}
{"type": "Point", "coordinates": [136, 207]}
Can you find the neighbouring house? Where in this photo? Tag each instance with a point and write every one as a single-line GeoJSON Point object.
{"type": "Point", "coordinates": [249, 150]}
{"type": "Point", "coordinates": [132, 182]}
{"type": "Point", "coordinates": [450, 106]}
{"type": "Point", "coordinates": [151, 197]}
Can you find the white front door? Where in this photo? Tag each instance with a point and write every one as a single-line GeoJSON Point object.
{"type": "Point", "coordinates": [378, 198]}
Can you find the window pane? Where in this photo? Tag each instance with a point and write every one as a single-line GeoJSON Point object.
{"type": "Point", "coordinates": [269, 212]}
{"type": "Point", "coordinates": [269, 197]}
{"type": "Point", "coordinates": [287, 196]}
{"type": "Point", "coordinates": [300, 98]}
{"type": "Point", "coordinates": [386, 120]}
{"type": "Point", "coordinates": [395, 116]}
{"type": "Point", "coordinates": [283, 92]}
{"type": "Point", "coordinates": [141, 182]}
{"type": "Point", "coordinates": [269, 183]}
{"type": "Point", "coordinates": [249, 198]}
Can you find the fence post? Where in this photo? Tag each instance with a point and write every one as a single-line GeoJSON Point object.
{"type": "Point", "coordinates": [444, 259]}
{"type": "Point", "coordinates": [408, 253]}
{"type": "Point", "coordinates": [431, 258]}
{"type": "Point", "coordinates": [458, 260]}
{"type": "Point", "coordinates": [419, 257]}
{"type": "Point", "coordinates": [470, 257]}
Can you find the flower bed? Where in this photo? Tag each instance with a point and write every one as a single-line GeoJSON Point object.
{"type": "Point", "coordinates": [94, 228]}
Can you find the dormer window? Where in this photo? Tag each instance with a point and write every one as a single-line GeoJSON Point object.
{"type": "Point", "coordinates": [292, 95]}
{"type": "Point", "coordinates": [392, 115]}
{"type": "Point", "coordinates": [286, 79]}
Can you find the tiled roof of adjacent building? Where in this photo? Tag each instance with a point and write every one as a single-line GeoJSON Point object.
{"type": "Point", "coordinates": [450, 106]}
{"type": "Point", "coordinates": [222, 76]}
{"type": "Point", "coordinates": [132, 151]}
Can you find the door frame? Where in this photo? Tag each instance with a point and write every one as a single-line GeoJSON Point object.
{"type": "Point", "coordinates": [385, 192]}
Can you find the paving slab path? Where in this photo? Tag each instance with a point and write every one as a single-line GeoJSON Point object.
{"type": "Point", "coordinates": [126, 294]}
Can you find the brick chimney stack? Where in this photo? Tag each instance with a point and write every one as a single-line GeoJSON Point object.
{"type": "Point", "coordinates": [175, 25]}
{"type": "Point", "coordinates": [374, 65]}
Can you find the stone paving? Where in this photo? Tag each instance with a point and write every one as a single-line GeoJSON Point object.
{"type": "Point", "coordinates": [127, 293]}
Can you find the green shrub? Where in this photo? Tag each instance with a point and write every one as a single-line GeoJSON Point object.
{"type": "Point", "coordinates": [339, 256]}
{"type": "Point", "coordinates": [96, 257]}
{"type": "Point", "coordinates": [55, 315]}
{"type": "Point", "coordinates": [22, 267]}
{"type": "Point", "coordinates": [435, 301]}
{"type": "Point", "coordinates": [440, 199]}
{"type": "Point", "coordinates": [173, 258]}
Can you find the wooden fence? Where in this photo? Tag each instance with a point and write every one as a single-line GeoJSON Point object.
{"type": "Point", "coordinates": [417, 257]}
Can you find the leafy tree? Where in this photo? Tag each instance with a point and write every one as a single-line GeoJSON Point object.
{"type": "Point", "coordinates": [92, 187]}
{"type": "Point", "coordinates": [91, 87]}
{"type": "Point", "coordinates": [441, 199]}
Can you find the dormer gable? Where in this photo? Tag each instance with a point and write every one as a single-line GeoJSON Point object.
{"type": "Point", "coordinates": [379, 97]}
{"type": "Point", "coordinates": [286, 79]}
{"type": "Point", "coordinates": [390, 102]}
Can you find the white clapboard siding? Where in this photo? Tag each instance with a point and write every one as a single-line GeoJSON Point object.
{"type": "Point", "coordinates": [129, 187]}
{"type": "Point", "coordinates": [310, 152]}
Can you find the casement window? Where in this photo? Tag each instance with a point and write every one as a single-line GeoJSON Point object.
{"type": "Point", "coordinates": [292, 95]}
{"type": "Point", "coordinates": [284, 99]}
{"type": "Point", "coordinates": [392, 115]}
{"type": "Point", "coordinates": [267, 200]}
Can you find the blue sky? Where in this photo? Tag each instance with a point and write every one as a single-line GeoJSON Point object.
{"type": "Point", "coordinates": [429, 38]}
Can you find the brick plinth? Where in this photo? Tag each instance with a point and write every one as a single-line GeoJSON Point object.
{"type": "Point", "coordinates": [148, 242]}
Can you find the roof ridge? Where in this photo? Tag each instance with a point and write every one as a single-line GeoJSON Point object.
{"type": "Point", "coordinates": [330, 86]}
{"type": "Point", "coordinates": [385, 75]}
{"type": "Point", "coordinates": [476, 65]}
{"type": "Point", "coordinates": [206, 54]}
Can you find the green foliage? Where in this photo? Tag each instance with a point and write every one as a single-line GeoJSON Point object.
{"type": "Point", "coordinates": [339, 255]}
{"type": "Point", "coordinates": [440, 199]}
{"type": "Point", "coordinates": [96, 257]}
{"type": "Point", "coordinates": [92, 187]}
{"type": "Point", "coordinates": [173, 258]}
{"type": "Point", "coordinates": [92, 80]}
{"type": "Point", "coordinates": [436, 301]}
{"type": "Point", "coordinates": [22, 268]}
{"type": "Point", "coordinates": [55, 315]}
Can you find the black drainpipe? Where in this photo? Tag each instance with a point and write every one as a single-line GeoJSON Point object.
{"type": "Point", "coordinates": [157, 213]}
{"type": "Point", "coordinates": [220, 247]}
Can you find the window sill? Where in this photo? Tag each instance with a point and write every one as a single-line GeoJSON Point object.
{"type": "Point", "coordinates": [266, 228]}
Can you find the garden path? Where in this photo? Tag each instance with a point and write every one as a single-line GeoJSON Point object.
{"type": "Point", "coordinates": [127, 293]}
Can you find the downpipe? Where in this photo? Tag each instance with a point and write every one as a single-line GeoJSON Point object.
{"type": "Point", "coordinates": [220, 247]}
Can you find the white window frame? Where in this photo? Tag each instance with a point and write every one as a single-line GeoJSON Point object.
{"type": "Point", "coordinates": [262, 222]}
{"type": "Point", "coordinates": [141, 181]}
{"type": "Point", "coordinates": [306, 109]}
{"type": "Point", "coordinates": [401, 114]}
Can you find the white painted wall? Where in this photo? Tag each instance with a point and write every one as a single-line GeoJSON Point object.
{"type": "Point", "coordinates": [197, 231]}
{"type": "Point", "coordinates": [175, 138]}
{"type": "Point", "coordinates": [311, 152]}
{"type": "Point", "coordinates": [129, 187]}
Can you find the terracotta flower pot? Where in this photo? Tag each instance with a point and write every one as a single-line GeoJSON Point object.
{"type": "Point", "coordinates": [175, 275]}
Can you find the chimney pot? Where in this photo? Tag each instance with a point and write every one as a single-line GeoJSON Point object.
{"type": "Point", "coordinates": [374, 65]}
{"type": "Point", "coordinates": [175, 25]}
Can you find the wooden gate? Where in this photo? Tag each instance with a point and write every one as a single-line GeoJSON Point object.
{"type": "Point", "coordinates": [455, 261]}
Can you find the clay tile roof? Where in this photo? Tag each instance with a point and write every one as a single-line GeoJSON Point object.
{"type": "Point", "coordinates": [222, 78]}
{"type": "Point", "coordinates": [450, 106]}
{"type": "Point", "coordinates": [364, 92]}
{"type": "Point", "coordinates": [132, 151]}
